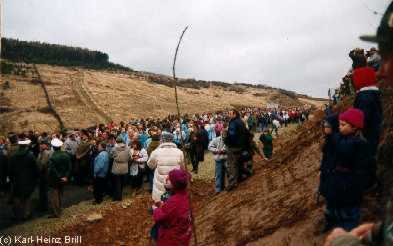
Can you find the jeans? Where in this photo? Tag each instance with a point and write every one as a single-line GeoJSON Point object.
{"type": "Point", "coordinates": [220, 175]}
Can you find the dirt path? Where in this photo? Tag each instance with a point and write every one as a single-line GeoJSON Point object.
{"type": "Point", "coordinates": [86, 99]}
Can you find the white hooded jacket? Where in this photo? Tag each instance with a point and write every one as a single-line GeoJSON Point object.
{"type": "Point", "coordinates": [164, 159]}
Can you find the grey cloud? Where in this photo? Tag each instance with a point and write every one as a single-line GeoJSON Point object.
{"type": "Point", "coordinates": [299, 45]}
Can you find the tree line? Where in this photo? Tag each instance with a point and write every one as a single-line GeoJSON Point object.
{"type": "Point", "coordinates": [43, 53]}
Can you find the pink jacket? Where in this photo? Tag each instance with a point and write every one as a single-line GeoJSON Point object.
{"type": "Point", "coordinates": [174, 219]}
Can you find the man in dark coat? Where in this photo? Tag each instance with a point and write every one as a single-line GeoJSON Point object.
{"type": "Point", "coordinates": [59, 170]}
{"type": "Point", "coordinates": [236, 139]}
{"type": "Point", "coordinates": [23, 173]}
{"type": "Point", "coordinates": [42, 161]}
{"type": "Point", "coordinates": [82, 169]}
{"type": "Point", "coordinates": [197, 147]}
{"type": "Point", "coordinates": [204, 137]}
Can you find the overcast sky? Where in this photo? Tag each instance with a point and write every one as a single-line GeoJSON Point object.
{"type": "Point", "coordinates": [293, 44]}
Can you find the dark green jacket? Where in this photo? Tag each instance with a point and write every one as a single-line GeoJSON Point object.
{"type": "Point", "coordinates": [267, 141]}
{"type": "Point", "coordinates": [59, 167]}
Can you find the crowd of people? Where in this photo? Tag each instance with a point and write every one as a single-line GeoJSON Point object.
{"type": "Point", "coordinates": [350, 153]}
{"type": "Point", "coordinates": [348, 165]}
{"type": "Point", "coordinates": [360, 58]}
{"type": "Point", "coordinates": [108, 157]}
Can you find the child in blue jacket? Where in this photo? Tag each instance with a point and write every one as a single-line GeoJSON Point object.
{"type": "Point", "coordinates": [349, 172]}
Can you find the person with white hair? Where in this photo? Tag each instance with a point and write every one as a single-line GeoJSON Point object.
{"type": "Point", "coordinates": [164, 159]}
{"type": "Point", "coordinates": [59, 169]}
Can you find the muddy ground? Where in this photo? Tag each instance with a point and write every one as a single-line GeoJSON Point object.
{"type": "Point", "coordinates": [276, 206]}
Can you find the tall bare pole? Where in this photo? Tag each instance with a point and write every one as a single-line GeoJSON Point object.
{"type": "Point", "coordinates": [181, 130]}
{"type": "Point", "coordinates": [175, 79]}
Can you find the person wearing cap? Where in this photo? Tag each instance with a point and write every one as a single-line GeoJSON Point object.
{"type": "Point", "coordinates": [42, 161]}
{"type": "Point", "coordinates": [121, 157]}
{"type": "Point", "coordinates": [377, 233]}
{"type": "Point", "coordinates": [164, 159]}
{"type": "Point", "coordinates": [174, 215]}
{"type": "Point", "coordinates": [23, 174]}
{"type": "Point", "coordinates": [59, 169]}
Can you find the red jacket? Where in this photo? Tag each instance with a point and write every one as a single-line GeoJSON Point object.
{"type": "Point", "coordinates": [174, 219]}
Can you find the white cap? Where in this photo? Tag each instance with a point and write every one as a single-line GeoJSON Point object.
{"type": "Point", "coordinates": [56, 142]}
{"type": "Point", "coordinates": [24, 142]}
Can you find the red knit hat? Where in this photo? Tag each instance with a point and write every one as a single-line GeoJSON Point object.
{"type": "Point", "coordinates": [179, 178]}
{"type": "Point", "coordinates": [354, 117]}
{"type": "Point", "coordinates": [363, 77]}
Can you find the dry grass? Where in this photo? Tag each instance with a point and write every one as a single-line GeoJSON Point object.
{"type": "Point", "coordinates": [85, 97]}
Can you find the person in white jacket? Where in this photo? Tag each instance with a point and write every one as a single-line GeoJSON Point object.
{"type": "Point", "coordinates": [217, 147]}
{"type": "Point", "coordinates": [164, 159]}
{"type": "Point", "coordinates": [139, 158]}
{"type": "Point", "coordinates": [276, 125]}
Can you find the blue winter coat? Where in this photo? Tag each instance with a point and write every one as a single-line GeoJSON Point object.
{"type": "Point", "coordinates": [369, 101]}
{"type": "Point", "coordinates": [349, 176]}
{"type": "Point", "coordinates": [101, 164]}
{"type": "Point", "coordinates": [328, 155]}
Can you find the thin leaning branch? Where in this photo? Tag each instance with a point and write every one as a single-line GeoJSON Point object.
{"type": "Point", "coordinates": [181, 131]}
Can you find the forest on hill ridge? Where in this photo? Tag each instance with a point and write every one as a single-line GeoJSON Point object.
{"type": "Point", "coordinates": [53, 54]}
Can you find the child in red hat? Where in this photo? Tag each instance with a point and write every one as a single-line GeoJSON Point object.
{"type": "Point", "coordinates": [368, 99]}
{"type": "Point", "coordinates": [173, 216]}
{"type": "Point", "coordinates": [349, 174]}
